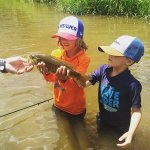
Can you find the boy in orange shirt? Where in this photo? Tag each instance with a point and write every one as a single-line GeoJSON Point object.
{"type": "Point", "coordinates": [69, 97]}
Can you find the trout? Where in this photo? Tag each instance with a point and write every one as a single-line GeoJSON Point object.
{"type": "Point", "coordinates": [53, 63]}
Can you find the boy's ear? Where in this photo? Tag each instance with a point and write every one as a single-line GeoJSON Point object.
{"type": "Point", "coordinates": [129, 62]}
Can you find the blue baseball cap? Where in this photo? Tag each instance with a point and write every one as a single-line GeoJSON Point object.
{"type": "Point", "coordinates": [70, 28]}
{"type": "Point", "coordinates": [125, 45]}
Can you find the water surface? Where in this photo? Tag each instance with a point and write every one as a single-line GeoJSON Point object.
{"type": "Point", "coordinates": [26, 28]}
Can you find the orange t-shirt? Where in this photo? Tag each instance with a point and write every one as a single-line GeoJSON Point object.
{"type": "Point", "coordinates": [72, 99]}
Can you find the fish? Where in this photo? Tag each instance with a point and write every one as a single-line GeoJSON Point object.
{"type": "Point", "coordinates": [52, 64]}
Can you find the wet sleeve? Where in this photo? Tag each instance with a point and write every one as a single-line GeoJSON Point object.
{"type": "Point", "coordinates": [95, 76]}
{"type": "Point", "coordinates": [135, 94]}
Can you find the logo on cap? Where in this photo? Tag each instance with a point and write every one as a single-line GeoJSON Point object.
{"type": "Point", "coordinates": [68, 27]}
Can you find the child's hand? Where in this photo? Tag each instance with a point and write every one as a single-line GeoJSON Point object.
{"type": "Point", "coordinates": [127, 137]}
{"type": "Point", "coordinates": [62, 73]}
{"type": "Point", "coordinates": [41, 67]}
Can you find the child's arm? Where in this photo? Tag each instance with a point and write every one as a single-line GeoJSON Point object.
{"type": "Point", "coordinates": [87, 83]}
{"type": "Point", "coordinates": [135, 120]}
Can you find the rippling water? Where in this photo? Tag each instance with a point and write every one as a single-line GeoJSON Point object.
{"type": "Point", "coordinates": [26, 28]}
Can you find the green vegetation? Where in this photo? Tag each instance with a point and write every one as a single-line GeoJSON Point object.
{"type": "Point", "coordinates": [131, 8]}
{"type": "Point", "coordinates": [43, 1]}
{"type": "Point", "coordinates": [140, 8]}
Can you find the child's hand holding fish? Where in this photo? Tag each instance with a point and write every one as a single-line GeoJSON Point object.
{"type": "Point", "coordinates": [42, 68]}
{"type": "Point", "coordinates": [63, 73]}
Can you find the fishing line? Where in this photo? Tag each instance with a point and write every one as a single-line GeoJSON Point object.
{"type": "Point", "coordinates": [26, 107]}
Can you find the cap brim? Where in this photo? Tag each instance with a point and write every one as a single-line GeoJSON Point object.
{"type": "Point", "coordinates": [65, 36]}
{"type": "Point", "coordinates": [110, 50]}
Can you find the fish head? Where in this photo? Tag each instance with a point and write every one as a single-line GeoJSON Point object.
{"type": "Point", "coordinates": [35, 59]}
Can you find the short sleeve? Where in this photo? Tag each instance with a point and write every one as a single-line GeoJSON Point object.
{"type": "Point", "coordinates": [135, 94]}
{"type": "Point", "coordinates": [96, 75]}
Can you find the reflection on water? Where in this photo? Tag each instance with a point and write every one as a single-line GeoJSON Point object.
{"type": "Point", "coordinates": [26, 28]}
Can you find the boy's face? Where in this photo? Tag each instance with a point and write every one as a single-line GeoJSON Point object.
{"type": "Point", "coordinates": [119, 61]}
{"type": "Point", "coordinates": [68, 45]}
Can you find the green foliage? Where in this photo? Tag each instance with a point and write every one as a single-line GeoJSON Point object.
{"type": "Point", "coordinates": [139, 8]}
{"type": "Point", "coordinates": [41, 1]}
{"type": "Point", "coordinates": [44, 1]}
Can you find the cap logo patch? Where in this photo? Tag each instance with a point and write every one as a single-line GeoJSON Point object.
{"type": "Point", "coordinates": [68, 27]}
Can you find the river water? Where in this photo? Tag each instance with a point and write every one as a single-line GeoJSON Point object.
{"type": "Point", "coordinates": [25, 28]}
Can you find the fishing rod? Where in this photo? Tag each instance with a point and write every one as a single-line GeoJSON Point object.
{"type": "Point", "coordinates": [26, 107]}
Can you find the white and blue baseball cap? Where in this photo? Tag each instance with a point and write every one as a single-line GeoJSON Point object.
{"type": "Point", "coordinates": [70, 28]}
{"type": "Point", "coordinates": [125, 45]}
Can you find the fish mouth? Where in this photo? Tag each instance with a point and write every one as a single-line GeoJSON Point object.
{"type": "Point", "coordinates": [33, 59]}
